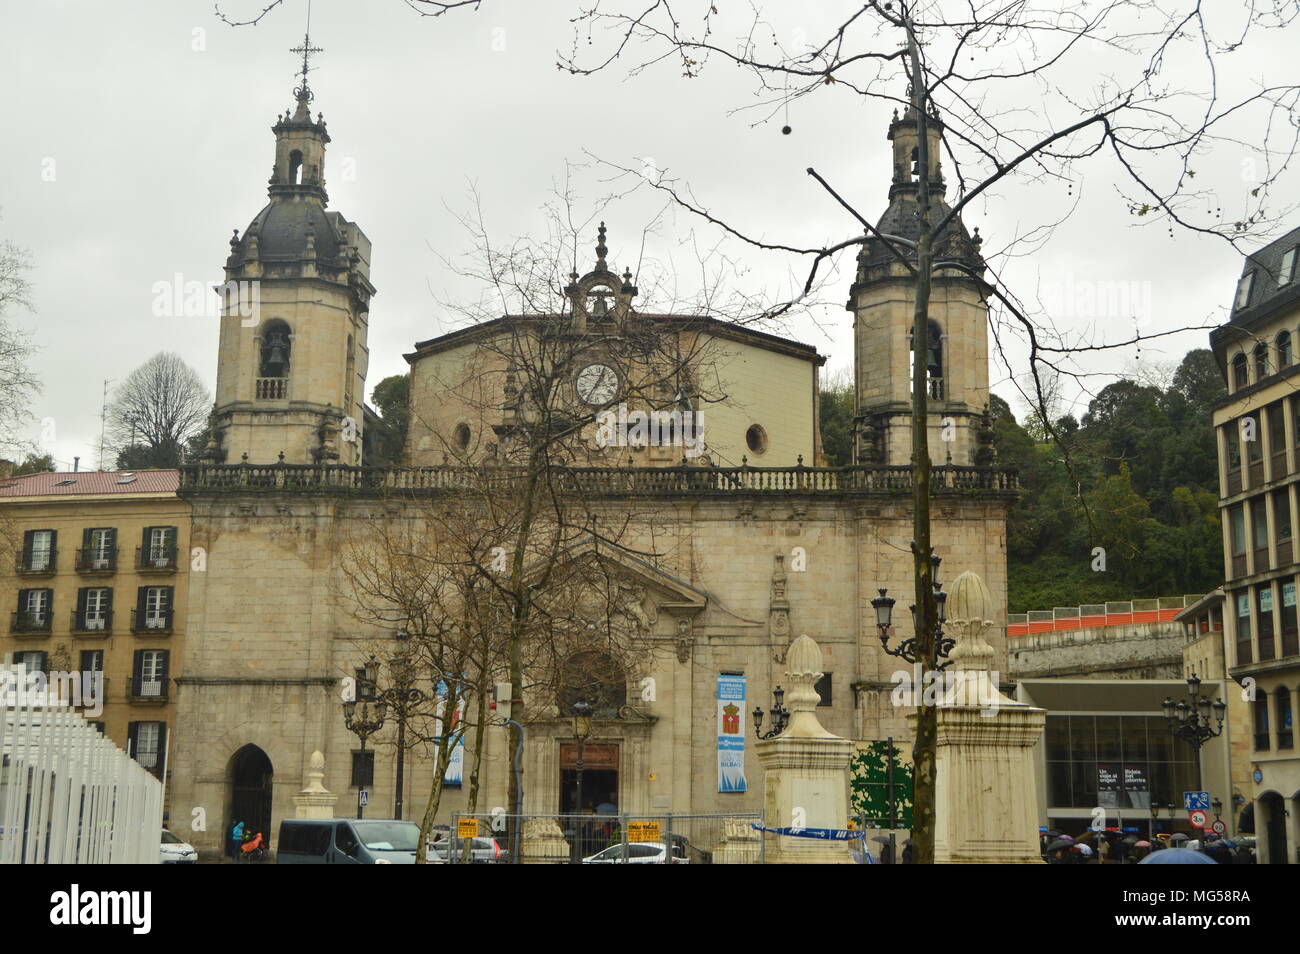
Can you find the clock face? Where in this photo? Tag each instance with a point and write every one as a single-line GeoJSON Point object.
{"type": "Point", "coordinates": [597, 384]}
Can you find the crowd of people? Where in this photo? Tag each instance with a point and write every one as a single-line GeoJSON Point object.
{"type": "Point", "coordinates": [1114, 846]}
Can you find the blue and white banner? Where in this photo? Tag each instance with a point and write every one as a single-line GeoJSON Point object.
{"type": "Point", "coordinates": [455, 773]}
{"type": "Point", "coordinates": [824, 834]}
{"type": "Point", "coordinates": [731, 734]}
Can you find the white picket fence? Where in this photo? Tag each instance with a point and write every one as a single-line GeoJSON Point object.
{"type": "Point", "coordinates": [70, 796]}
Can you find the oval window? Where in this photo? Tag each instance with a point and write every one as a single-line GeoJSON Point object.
{"type": "Point", "coordinates": [756, 438]}
{"type": "Point", "coordinates": [462, 436]}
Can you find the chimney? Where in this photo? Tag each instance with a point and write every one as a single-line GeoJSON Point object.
{"type": "Point", "coordinates": [76, 464]}
{"type": "Point", "coordinates": [6, 469]}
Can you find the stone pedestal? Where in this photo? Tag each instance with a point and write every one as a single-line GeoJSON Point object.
{"type": "Point", "coordinates": [314, 801]}
{"type": "Point", "coordinates": [805, 770]}
{"type": "Point", "coordinates": [739, 845]}
{"type": "Point", "coordinates": [985, 806]}
{"type": "Point", "coordinates": [542, 843]}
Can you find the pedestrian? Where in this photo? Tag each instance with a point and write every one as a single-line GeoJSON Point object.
{"type": "Point", "coordinates": [236, 839]}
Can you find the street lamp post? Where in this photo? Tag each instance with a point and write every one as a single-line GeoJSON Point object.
{"type": "Point", "coordinates": [1190, 720]}
{"type": "Point", "coordinates": [780, 716]}
{"type": "Point", "coordinates": [361, 719]}
{"type": "Point", "coordinates": [907, 649]}
{"type": "Point", "coordinates": [581, 731]}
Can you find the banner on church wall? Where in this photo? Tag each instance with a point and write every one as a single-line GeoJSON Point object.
{"type": "Point", "coordinates": [731, 733]}
{"type": "Point", "coordinates": [455, 773]}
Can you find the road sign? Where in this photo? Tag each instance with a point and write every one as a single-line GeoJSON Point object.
{"type": "Point", "coordinates": [1195, 800]}
{"type": "Point", "coordinates": [363, 798]}
{"type": "Point", "coordinates": [466, 827]}
{"type": "Point", "coordinates": [1219, 827]}
{"type": "Point", "coordinates": [643, 831]}
{"type": "Point", "coordinates": [1197, 818]}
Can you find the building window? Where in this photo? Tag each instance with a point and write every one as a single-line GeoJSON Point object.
{"type": "Point", "coordinates": [1239, 530]}
{"type": "Point", "coordinates": [1282, 513]}
{"type": "Point", "coordinates": [33, 612]}
{"type": "Point", "coordinates": [31, 660]}
{"type": "Point", "coordinates": [1289, 621]}
{"type": "Point", "coordinates": [273, 361]}
{"type": "Point", "coordinates": [94, 609]}
{"type": "Point", "coordinates": [1283, 349]}
{"type": "Point", "coordinates": [149, 677]}
{"type": "Point", "coordinates": [1243, 290]}
{"type": "Point", "coordinates": [1239, 371]}
{"type": "Point", "coordinates": [462, 436]}
{"type": "Point", "coordinates": [38, 551]}
{"type": "Point", "coordinates": [1261, 361]}
{"type": "Point", "coordinates": [1250, 435]}
{"type": "Point", "coordinates": [1243, 629]}
{"type": "Point", "coordinates": [92, 660]}
{"type": "Point", "coordinates": [145, 742]}
{"type": "Point", "coordinates": [756, 439]}
{"type": "Point", "coordinates": [1277, 433]}
{"type": "Point", "coordinates": [1117, 762]}
{"type": "Point", "coordinates": [823, 688]}
{"type": "Point", "coordinates": [596, 679]}
{"type": "Point", "coordinates": [363, 769]}
{"type": "Point", "coordinates": [1287, 270]}
{"type": "Point", "coordinates": [153, 608]}
{"type": "Point", "coordinates": [1283, 706]}
{"type": "Point", "coordinates": [1261, 721]}
{"type": "Point", "coordinates": [1233, 439]}
{"type": "Point", "coordinates": [934, 361]}
{"type": "Point", "coordinates": [1264, 605]}
{"type": "Point", "coordinates": [158, 548]}
{"type": "Point", "coordinates": [98, 549]}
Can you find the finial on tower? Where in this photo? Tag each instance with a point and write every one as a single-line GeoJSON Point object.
{"type": "Point", "coordinates": [303, 92]}
{"type": "Point", "coordinates": [601, 249]}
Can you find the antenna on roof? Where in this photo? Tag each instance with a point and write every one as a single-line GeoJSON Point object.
{"type": "Point", "coordinates": [103, 416]}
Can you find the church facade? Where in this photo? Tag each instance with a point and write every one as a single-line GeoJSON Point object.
{"type": "Point", "coordinates": [753, 542]}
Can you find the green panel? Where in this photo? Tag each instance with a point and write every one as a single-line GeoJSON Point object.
{"type": "Point", "coordinates": [869, 784]}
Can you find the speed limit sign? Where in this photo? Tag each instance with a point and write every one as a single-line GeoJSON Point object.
{"type": "Point", "coordinates": [1197, 818]}
{"type": "Point", "coordinates": [1219, 827]}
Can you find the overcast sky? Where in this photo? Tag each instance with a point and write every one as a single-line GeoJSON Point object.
{"type": "Point", "coordinates": [135, 137]}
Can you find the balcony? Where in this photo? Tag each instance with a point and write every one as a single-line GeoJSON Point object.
{"type": "Point", "coordinates": [91, 561]}
{"type": "Point", "coordinates": [156, 559]}
{"type": "Point", "coordinates": [147, 690]}
{"type": "Point", "coordinates": [30, 624]}
{"type": "Point", "coordinates": [37, 562]}
{"type": "Point", "coordinates": [87, 624]}
{"type": "Point", "coordinates": [144, 624]}
{"type": "Point", "coordinates": [272, 389]}
{"type": "Point", "coordinates": [936, 390]}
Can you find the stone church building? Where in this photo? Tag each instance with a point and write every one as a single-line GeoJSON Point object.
{"type": "Point", "coordinates": [756, 542]}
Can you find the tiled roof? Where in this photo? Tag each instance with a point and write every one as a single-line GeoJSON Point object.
{"type": "Point", "coordinates": [1267, 266]}
{"type": "Point", "coordinates": [88, 482]}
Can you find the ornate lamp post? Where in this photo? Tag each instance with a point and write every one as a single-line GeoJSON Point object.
{"type": "Point", "coordinates": [365, 715]}
{"type": "Point", "coordinates": [780, 716]}
{"type": "Point", "coordinates": [582, 732]}
{"type": "Point", "coordinates": [401, 697]}
{"type": "Point", "coordinates": [884, 607]}
{"type": "Point", "coordinates": [1190, 720]}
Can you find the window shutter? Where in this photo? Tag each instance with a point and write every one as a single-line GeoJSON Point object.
{"type": "Point", "coordinates": [85, 540]}
{"type": "Point", "coordinates": [162, 746]}
{"type": "Point", "coordinates": [141, 604]}
{"type": "Point", "coordinates": [168, 592]}
{"type": "Point", "coordinates": [22, 601]}
{"type": "Point", "coordinates": [144, 543]}
{"type": "Point", "coordinates": [137, 671]}
{"type": "Point", "coordinates": [27, 544]}
{"type": "Point", "coordinates": [42, 661]}
{"type": "Point", "coordinates": [83, 594]}
{"type": "Point", "coordinates": [162, 676]}
{"type": "Point", "coordinates": [108, 600]}
{"type": "Point", "coordinates": [49, 604]}
{"type": "Point", "coordinates": [54, 545]}
{"type": "Point", "coordinates": [132, 738]}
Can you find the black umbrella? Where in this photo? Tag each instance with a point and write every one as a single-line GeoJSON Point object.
{"type": "Point", "coordinates": [1058, 845]}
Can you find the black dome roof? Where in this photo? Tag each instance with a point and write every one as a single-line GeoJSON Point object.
{"type": "Point", "coordinates": [281, 228]}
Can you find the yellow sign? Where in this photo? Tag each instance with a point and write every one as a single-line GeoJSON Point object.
{"type": "Point", "coordinates": [467, 828]}
{"type": "Point", "coordinates": [643, 831]}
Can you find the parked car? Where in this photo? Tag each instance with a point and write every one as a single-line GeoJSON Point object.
{"type": "Point", "coordinates": [483, 851]}
{"type": "Point", "coordinates": [342, 841]}
{"type": "Point", "coordinates": [638, 853]}
{"type": "Point", "coordinates": [174, 851]}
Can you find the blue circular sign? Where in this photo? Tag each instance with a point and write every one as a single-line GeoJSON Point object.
{"type": "Point", "coordinates": [1259, 776]}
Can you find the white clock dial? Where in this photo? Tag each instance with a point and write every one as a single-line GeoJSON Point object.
{"type": "Point", "coordinates": [597, 384]}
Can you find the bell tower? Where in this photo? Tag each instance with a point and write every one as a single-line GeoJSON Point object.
{"type": "Point", "coordinates": [883, 299]}
{"type": "Point", "coordinates": [292, 360]}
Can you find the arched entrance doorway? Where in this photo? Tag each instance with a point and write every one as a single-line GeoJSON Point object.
{"type": "Point", "coordinates": [1270, 827]}
{"type": "Point", "coordinates": [250, 777]}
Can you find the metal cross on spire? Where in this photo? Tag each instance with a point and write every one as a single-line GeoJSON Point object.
{"type": "Point", "coordinates": [303, 92]}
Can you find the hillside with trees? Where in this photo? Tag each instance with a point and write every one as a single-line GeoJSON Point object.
{"type": "Point", "coordinates": [1135, 476]}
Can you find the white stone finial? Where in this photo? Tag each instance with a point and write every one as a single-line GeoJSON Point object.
{"type": "Point", "coordinates": [803, 667]}
{"type": "Point", "coordinates": [316, 774]}
{"type": "Point", "coordinates": [970, 612]}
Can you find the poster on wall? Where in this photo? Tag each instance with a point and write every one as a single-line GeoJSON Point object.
{"type": "Point", "coordinates": [731, 733]}
{"type": "Point", "coordinates": [1108, 785]}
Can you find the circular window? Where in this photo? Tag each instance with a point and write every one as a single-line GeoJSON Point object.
{"type": "Point", "coordinates": [756, 438]}
{"type": "Point", "coordinates": [462, 436]}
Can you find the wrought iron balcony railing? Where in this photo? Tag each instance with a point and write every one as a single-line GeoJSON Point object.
{"type": "Point", "coordinates": [162, 559]}
{"type": "Point", "coordinates": [30, 623]}
{"type": "Point", "coordinates": [94, 624]}
{"type": "Point", "coordinates": [37, 562]}
{"type": "Point", "coordinates": [96, 560]}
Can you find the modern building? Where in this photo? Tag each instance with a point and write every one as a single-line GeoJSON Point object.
{"type": "Point", "coordinates": [1257, 427]}
{"type": "Point", "coordinates": [96, 581]}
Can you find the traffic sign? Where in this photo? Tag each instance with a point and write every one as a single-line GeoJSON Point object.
{"type": "Point", "coordinates": [363, 798]}
{"type": "Point", "coordinates": [1195, 800]}
{"type": "Point", "coordinates": [1197, 818]}
{"type": "Point", "coordinates": [1219, 827]}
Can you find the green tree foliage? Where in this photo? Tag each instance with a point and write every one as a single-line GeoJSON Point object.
{"type": "Point", "coordinates": [836, 417]}
{"type": "Point", "coordinates": [1135, 512]}
{"type": "Point", "coordinates": [387, 438]}
{"type": "Point", "coordinates": [35, 464]}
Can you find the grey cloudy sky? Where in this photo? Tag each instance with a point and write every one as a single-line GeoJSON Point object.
{"type": "Point", "coordinates": [133, 145]}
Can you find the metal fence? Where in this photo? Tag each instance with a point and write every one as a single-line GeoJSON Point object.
{"type": "Point", "coordinates": [602, 839]}
{"type": "Point", "coordinates": [67, 794]}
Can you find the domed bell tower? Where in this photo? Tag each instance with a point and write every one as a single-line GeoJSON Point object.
{"type": "Point", "coordinates": [883, 300]}
{"type": "Point", "coordinates": [292, 361]}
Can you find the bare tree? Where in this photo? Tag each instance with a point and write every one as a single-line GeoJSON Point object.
{"type": "Point", "coordinates": [17, 384]}
{"type": "Point", "coordinates": [158, 408]}
{"type": "Point", "coordinates": [1004, 76]}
